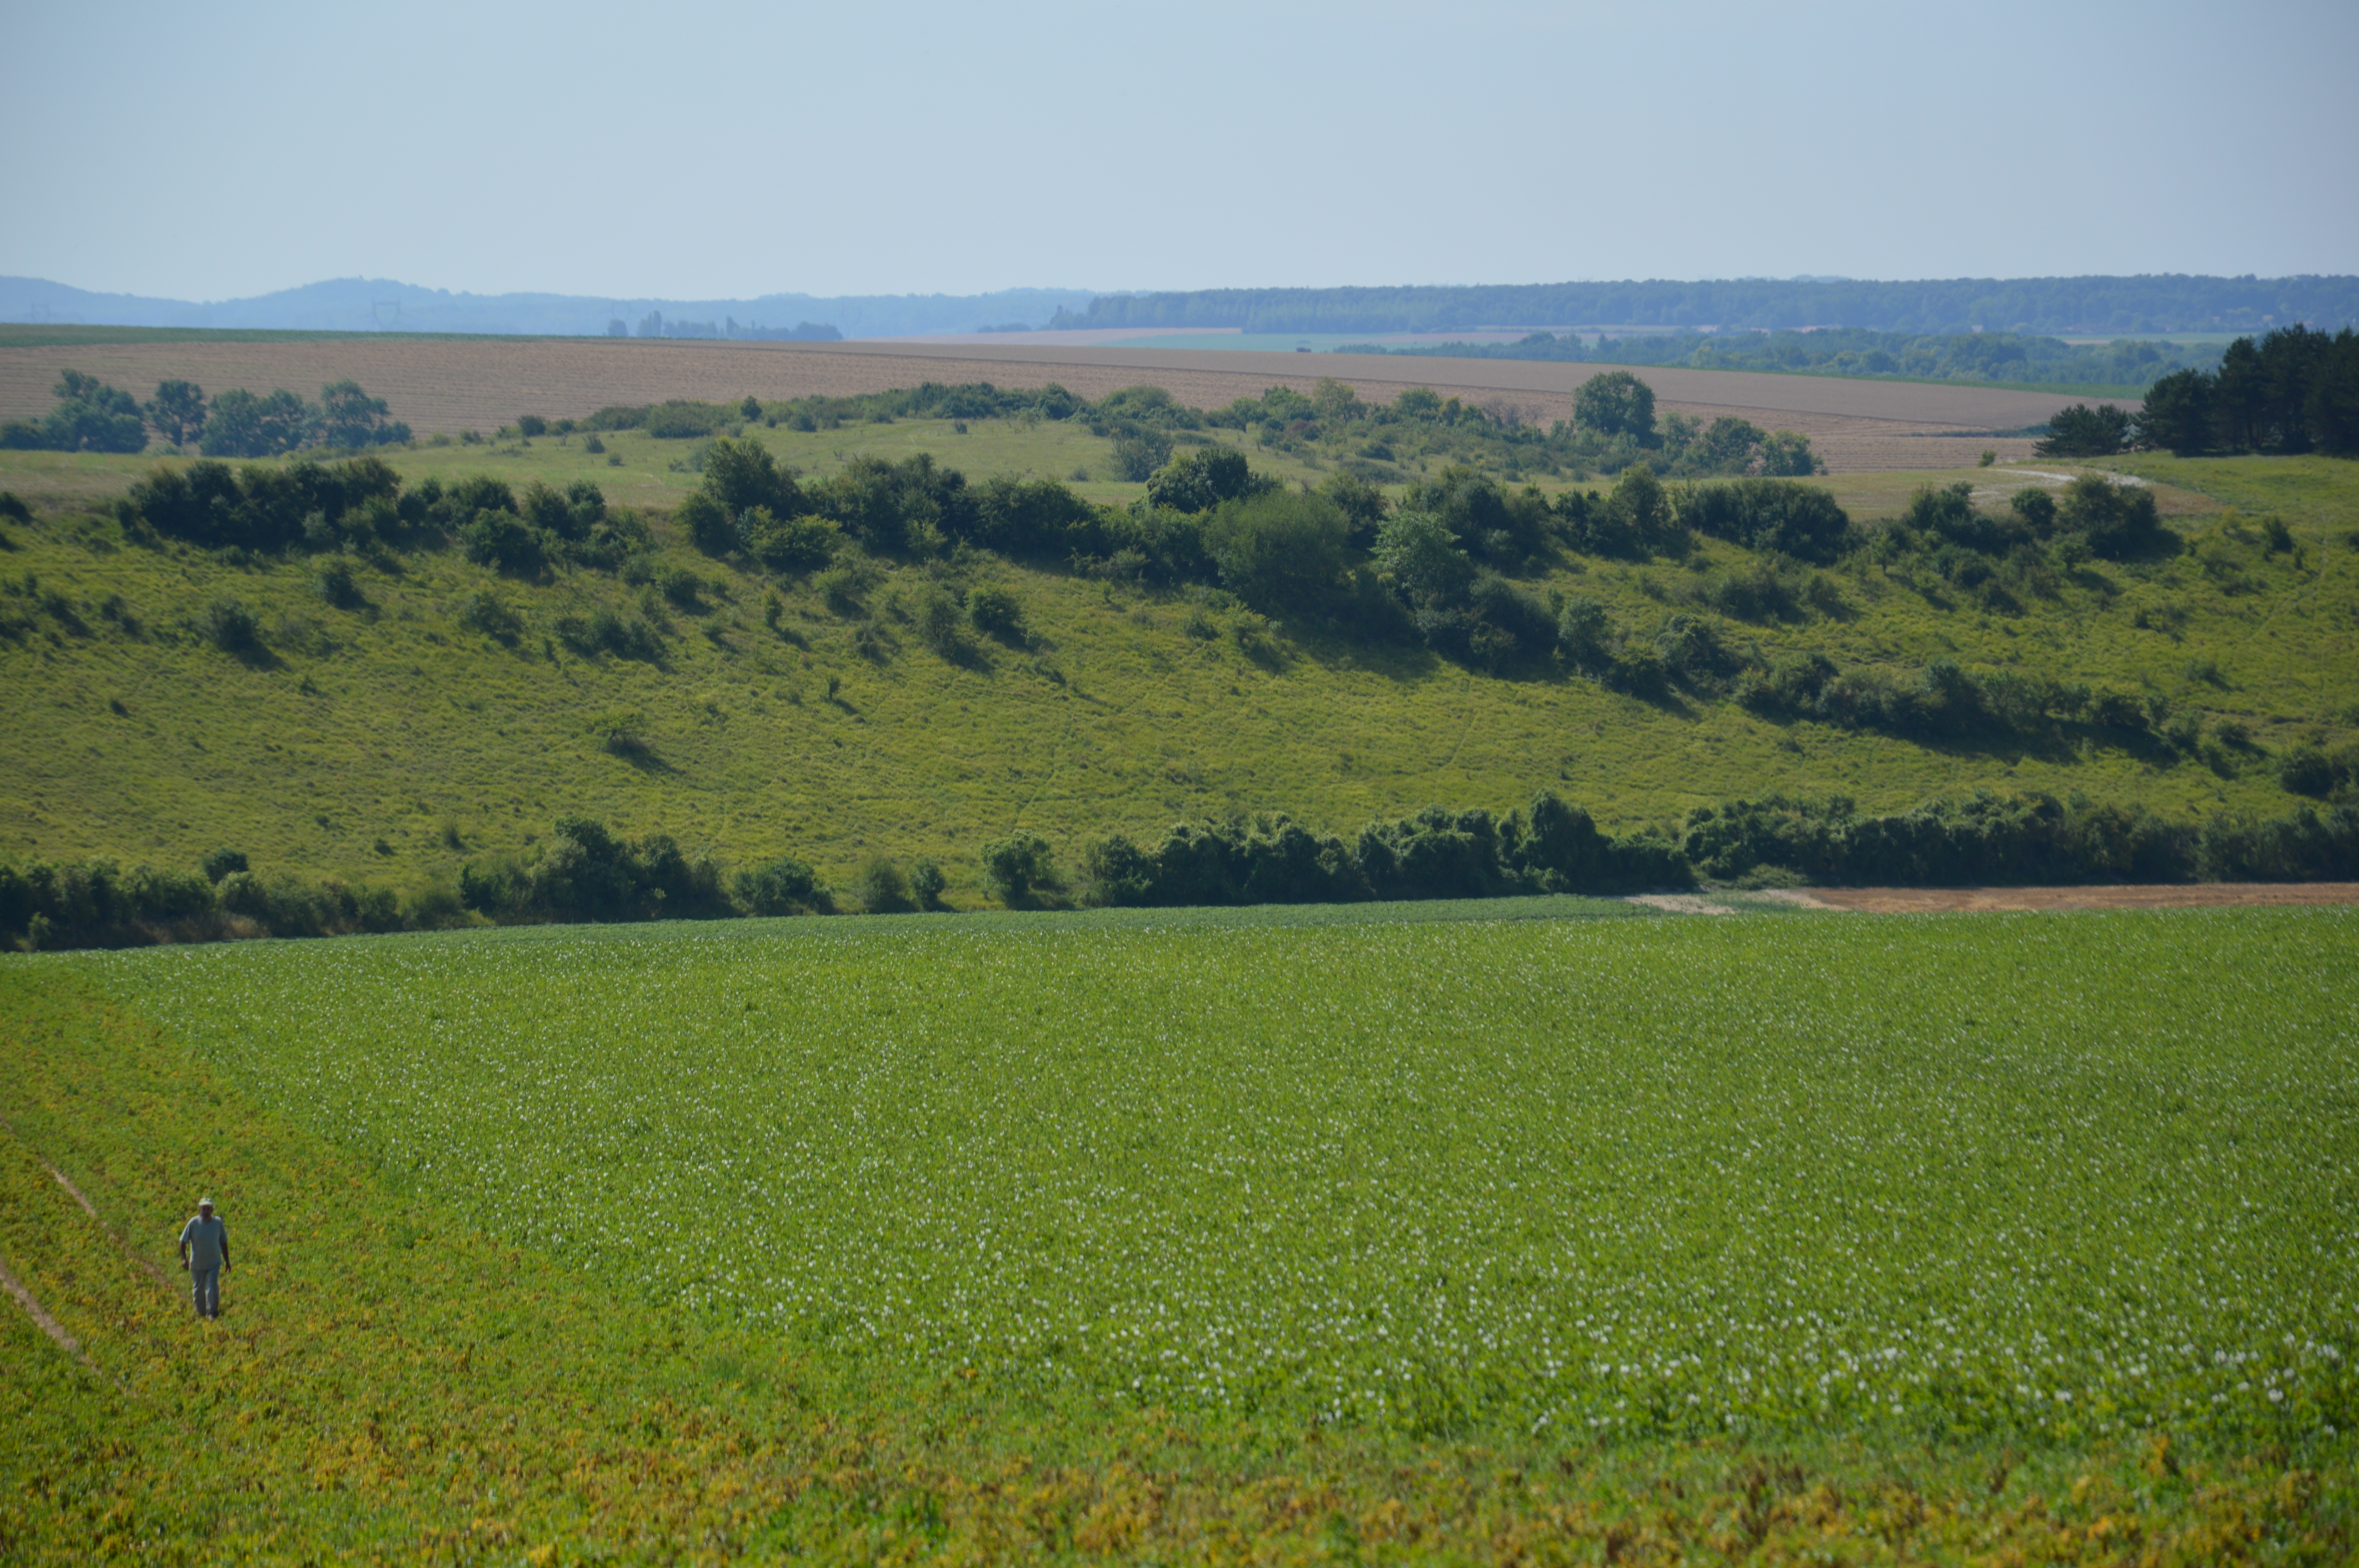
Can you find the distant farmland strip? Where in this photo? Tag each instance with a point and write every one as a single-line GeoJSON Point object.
{"type": "Point", "coordinates": [444, 383]}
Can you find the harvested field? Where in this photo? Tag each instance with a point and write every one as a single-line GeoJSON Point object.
{"type": "Point", "coordinates": [443, 384]}
{"type": "Point", "coordinates": [2196, 895]}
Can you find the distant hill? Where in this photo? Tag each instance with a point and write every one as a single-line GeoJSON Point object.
{"type": "Point", "coordinates": [390, 710]}
{"type": "Point", "coordinates": [2161, 303]}
{"type": "Point", "coordinates": [2127, 306]}
{"type": "Point", "coordinates": [357, 304]}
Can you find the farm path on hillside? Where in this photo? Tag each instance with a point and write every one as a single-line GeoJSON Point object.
{"type": "Point", "coordinates": [2175, 895]}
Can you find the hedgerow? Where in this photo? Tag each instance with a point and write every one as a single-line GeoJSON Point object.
{"type": "Point", "coordinates": [585, 873]}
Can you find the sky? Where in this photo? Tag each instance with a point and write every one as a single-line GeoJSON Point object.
{"type": "Point", "coordinates": [707, 151]}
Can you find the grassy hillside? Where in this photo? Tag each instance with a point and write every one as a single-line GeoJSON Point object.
{"type": "Point", "coordinates": [391, 742]}
{"type": "Point", "coordinates": [685, 1244]}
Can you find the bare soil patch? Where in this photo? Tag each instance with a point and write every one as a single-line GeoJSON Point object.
{"type": "Point", "coordinates": [440, 384]}
{"type": "Point", "coordinates": [1680, 904]}
{"type": "Point", "coordinates": [2193, 896]}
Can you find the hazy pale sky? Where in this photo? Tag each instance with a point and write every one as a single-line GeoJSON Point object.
{"type": "Point", "coordinates": [723, 150]}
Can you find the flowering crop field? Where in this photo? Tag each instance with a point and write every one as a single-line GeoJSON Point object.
{"type": "Point", "coordinates": [1250, 1236]}
{"type": "Point", "coordinates": [2062, 1176]}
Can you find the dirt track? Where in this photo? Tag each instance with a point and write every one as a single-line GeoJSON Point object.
{"type": "Point", "coordinates": [440, 384]}
{"type": "Point", "coordinates": [2195, 895]}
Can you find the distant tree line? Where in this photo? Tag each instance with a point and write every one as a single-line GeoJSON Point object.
{"type": "Point", "coordinates": [1439, 566]}
{"type": "Point", "coordinates": [1555, 848]}
{"type": "Point", "coordinates": [2295, 391]}
{"type": "Point", "coordinates": [653, 325]}
{"type": "Point", "coordinates": [1435, 567]}
{"type": "Point", "coordinates": [361, 506]}
{"type": "Point", "coordinates": [1614, 426]}
{"type": "Point", "coordinates": [97, 904]}
{"type": "Point", "coordinates": [585, 873]}
{"type": "Point", "coordinates": [1850, 351]}
{"type": "Point", "coordinates": [2163, 303]}
{"type": "Point", "coordinates": [91, 417]}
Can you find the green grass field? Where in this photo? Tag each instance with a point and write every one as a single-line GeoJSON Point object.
{"type": "Point", "coordinates": [391, 743]}
{"type": "Point", "coordinates": [1204, 1238]}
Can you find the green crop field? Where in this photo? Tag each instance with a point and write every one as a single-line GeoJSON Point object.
{"type": "Point", "coordinates": [391, 740]}
{"type": "Point", "coordinates": [1227, 1237]}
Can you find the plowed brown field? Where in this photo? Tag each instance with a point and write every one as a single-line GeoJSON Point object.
{"type": "Point", "coordinates": [443, 383]}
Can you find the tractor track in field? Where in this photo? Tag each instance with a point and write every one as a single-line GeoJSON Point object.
{"type": "Point", "coordinates": [43, 1320]}
{"type": "Point", "coordinates": [88, 1207]}
{"type": "Point", "coordinates": [23, 1292]}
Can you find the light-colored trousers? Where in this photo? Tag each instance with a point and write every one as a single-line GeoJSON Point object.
{"type": "Point", "coordinates": [204, 1288]}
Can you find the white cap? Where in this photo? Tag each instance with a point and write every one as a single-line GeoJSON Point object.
{"type": "Point", "coordinates": [204, 1203]}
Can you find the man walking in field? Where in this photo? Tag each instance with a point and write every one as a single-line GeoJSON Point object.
{"type": "Point", "coordinates": [204, 1253]}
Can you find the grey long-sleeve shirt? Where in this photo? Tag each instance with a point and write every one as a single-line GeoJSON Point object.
{"type": "Point", "coordinates": [207, 1241]}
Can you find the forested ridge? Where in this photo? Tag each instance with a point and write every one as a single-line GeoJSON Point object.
{"type": "Point", "coordinates": [2160, 303]}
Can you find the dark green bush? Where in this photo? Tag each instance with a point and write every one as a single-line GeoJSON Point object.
{"type": "Point", "coordinates": [2119, 521]}
{"type": "Point", "coordinates": [882, 889]}
{"type": "Point", "coordinates": [793, 545]}
{"type": "Point", "coordinates": [1762, 592]}
{"type": "Point", "coordinates": [1694, 654]}
{"type": "Point", "coordinates": [2082, 431]}
{"type": "Point", "coordinates": [844, 590]}
{"type": "Point", "coordinates": [913, 506]}
{"type": "Point", "coordinates": [231, 626]}
{"type": "Point", "coordinates": [606, 632]}
{"type": "Point", "coordinates": [241, 893]}
{"type": "Point", "coordinates": [1036, 518]}
{"type": "Point", "coordinates": [941, 624]}
{"type": "Point", "coordinates": [89, 417]}
{"type": "Point", "coordinates": [1770, 515]}
{"type": "Point", "coordinates": [1138, 453]}
{"type": "Point", "coordinates": [338, 586]}
{"type": "Point", "coordinates": [1615, 402]}
{"type": "Point", "coordinates": [1636, 520]}
{"type": "Point", "coordinates": [1020, 870]}
{"type": "Point", "coordinates": [708, 525]}
{"type": "Point", "coordinates": [488, 610]}
{"type": "Point", "coordinates": [1202, 478]}
{"type": "Point", "coordinates": [2309, 769]}
{"type": "Point", "coordinates": [784, 886]}
{"type": "Point", "coordinates": [504, 541]}
{"type": "Point", "coordinates": [1280, 550]}
{"type": "Point", "coordinates": [1508, 622]}
{"type": "Point", "coordinates": [1584, 632]}
{"type": "Point", "coordinates": [588, 873]}
{"type": "Point", "coordinates": [996, 608]}
{"type": "Point", "coordinates": [681, 420]}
